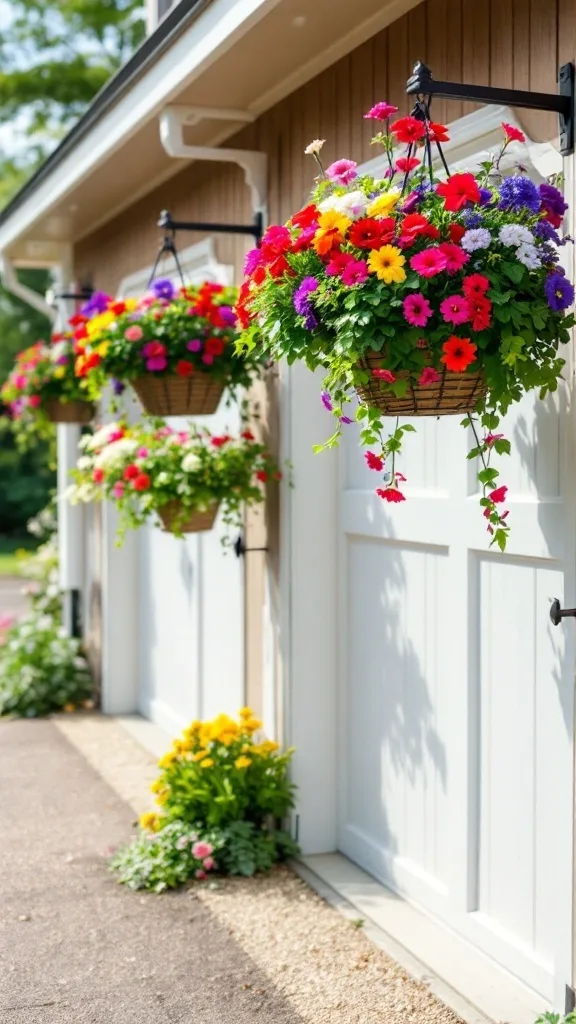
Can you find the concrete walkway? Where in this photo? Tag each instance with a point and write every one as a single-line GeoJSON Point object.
{"type": "Point", "coordinates": [75, 947]}
{"type": "Point", "coordinates": [12, 600]}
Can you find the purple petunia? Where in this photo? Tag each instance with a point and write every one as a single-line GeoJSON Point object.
{"type": "Point", "coordinates": [301, 301]}
{"type": "Point", "coordinates": [548, 253]}
{"type": "Point", "coordinates": [544, 229]}
{"type": "Point", "coordinates": [517, 193]}
{"type": "Point", "coordinates": [486, 197]}
{"type": "Point", "coordinates": [97, 303]}
{"type": "Point", "coordinates": [228, 315]}
{"type": "Point", "coordinates": [118, 387]}
{"type": "Point", "coordinates": [552, 199]}
{"type": "Point", "coordinates": [472, 218]}
{"type": "Point", "coordinates": [163, 288]}
{"type": "Point", "coordinates": [326, 401]}
{"type": "Point", "coordinates": [253, 259]}
{"type": "Point", "coordinates": [559, 291]}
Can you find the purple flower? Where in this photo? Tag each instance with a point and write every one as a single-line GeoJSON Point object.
{"type": "Point", "coordinates": [62, 361]}
{"type": "Point", "coordinates": [118, 387]}
{"type": "Point", "coordinates": [552, 200]}
{"type": "Point", "coordinates": [411, 202]}
{"type": "Point", "coordinates": [472, 218]}
{"type": "Point", "coordinates": [517, 193]}
{"type": "Point", "coordinates": [194, 346]}
{"type": "Point", "coordinates": [302, 304]}
{"type": "Point", "coordinates": [486, 197]}
{"type": "Point", "coordinates": [97, 303]}
{"type": "Point", "coordinates": [559, 291]}
{"type": "Point", "coordinates": [228, 315]}
{"type": "Point", "coordinates": [253, 259]}
{"type": "Point", "coordinates": [548, 253]}
{"type": "Point", "coordinates": [544, 229]}
{"type": "Point", "coordinates": [310, 321]}
{"type": "Point", "coordinates": [163, 288]}
{"type": "Point", "coordinates": [326, 401]}
{"type": "Point", "coordinates": [346, 419]}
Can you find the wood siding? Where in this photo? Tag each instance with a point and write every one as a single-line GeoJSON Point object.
{"type": "Point", "coordinates": [518, 43]}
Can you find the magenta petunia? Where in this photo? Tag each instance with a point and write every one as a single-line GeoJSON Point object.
{"type": "Point", "coordinates": [355, 272]}
{"type": "Point", "coordinates": [455, 309]}
{"type": "Point", "coordinates": [428, 376]}
{"type": "Point", "coordinates": [380, 112]}
{"type": "Point", "coordinates": [429, 262]}
{"type": "Point", "coordinates": [342, 171]}
{"type": "Point", "coordinates": [456, 258]}
{"type": "Point", "coordinates": [338, 263]}
{"type": "Point", "coordinates": [417, 309]}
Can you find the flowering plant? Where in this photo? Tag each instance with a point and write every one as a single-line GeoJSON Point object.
{"type": "Point", "coordinates": [152, 468]}
{"type": "Point", "coordinates": [412, 290]}
{"type": "Point", "coordinates": [42, 374]}
{"type": "Point", "coordinates": [168, 332]}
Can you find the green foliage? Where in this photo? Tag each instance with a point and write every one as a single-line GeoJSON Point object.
{"type": "Point", "coordinates": [556, 1018]}
{"type": "Point", "coordinates": [41, 669]}
{"type": "Point", "coordinates": [246, 849]}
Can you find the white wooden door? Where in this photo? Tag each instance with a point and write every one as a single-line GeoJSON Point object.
{"type": "Point", "coordinates": [456, 692]}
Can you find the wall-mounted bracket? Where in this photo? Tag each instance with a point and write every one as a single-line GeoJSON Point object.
{"type": "Point", "coordinates": [253, 163]}
{"type": "Point", "coordinates": [421, 83]}
{"type": "Point", "coordinates": [255, 229]}
{"type": "Point", "coordinates": [82, 295]}
{"type": "Point", "coordinates": [241, 549]}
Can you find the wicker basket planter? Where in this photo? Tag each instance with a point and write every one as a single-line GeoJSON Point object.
{"type": "Point", "coordinates": [76, 411]}
{"type": "Point", "coordinates": [198, 395]}
{"type": "Point", "coordinates": [197, 522]}
{"type": "Point", "coordinates": [453, 394]}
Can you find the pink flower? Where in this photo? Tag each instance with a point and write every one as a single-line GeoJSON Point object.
{"type": "Point", "coordinates": [498, 495]}
{"type": "Point", "coordinates": [115, 435]}
{"type": "Point", "coordinates": [455, 309]}
{"type": "Point", "coordinates": [118, 489]}
{"type": "Point", "coordinates": [34, 401]}
{"type": "Point", "coordinates": [385, 375]}
{"type": "Point", "coordinates": [374, 461]}
{"type": "Point", "coordinates": [201, 875]}
{"type": "Point", "coordinates": [491, 438]}
{"type": "Point", "coordinates": [338, 263]}
{"type": "Point", "coordinates": [155, 355]}
{"type": "Point", "coordinates": [455, 256]}
{"type": "Point", "coordinates": [209, 863]}
{"type": "Point", "coordinates": [133, 333]}
{"type": "Point", "coordinates": [428, 376]}
{"type": "Point", "coordinates": [7, 621]}
{"type": "Point", "coordinates": [142, 453]}
{"type": "Point", "coordinates": [380, 111]}
{"type": "Point", "coordinates": [429, 262]}
{"type": "Point", "coordinates": [194, 346]}
{"type": "Point", "coordinates": [201, 850]}
{"type": "Point", "coordinates": [512, 133]}
{"type": "Point", "coordinates": [355, 273]}
{"type": "Point", "coordinates": [342, 171]}
{"type": "Point", "coordinates": [417, 309]}
{"type": "Point", "coordinates": [208, 359]}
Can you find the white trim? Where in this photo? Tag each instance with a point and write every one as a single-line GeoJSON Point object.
{"type": "Point", "coordinates": [28, 295]}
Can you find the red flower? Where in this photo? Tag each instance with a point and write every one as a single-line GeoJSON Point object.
{"type": "Point", "coordinates": [214, 346]}
{"type": "Point", "coordinates": [118, 308]}
{"type": "Point", "coordinates": [184, 368]}
{"type": "Point", "coordinates": [455, 256]}
{"type": "Point", "coordinates": [408, 129]}
{"type": "Point", "coordinates": [430, 232]}
{"type": "Point", "coordinates": [498, 495]}
{"type": "Point", "coordinates": [458, 353]}
{"type": "Point", "coordinates": [262, 475]}
{"type": "Point", "coordinates": [259, 275]}
{"type": "Point", "coordinates": [142, 482]}
{"type": "Point", "coordinates": [459, 190]}
{"type": "Point", "coordinates": [369, 233]}
{"type": "Point", "coordinates": [413, 225]}
{"type": "Point", "coordinates": [78, 319]}
{"type": "Point", "coordinates": [248, 435]}
{"type": "Point", "coordinates": [307, 217]}
{"type": "Point", "coordinates": [98, 476]}
{"type": "Point", "coordinates": [406, 164]}
{"type": "Point", "coordinates": [276, 241]}
{"type": "Point", "coordinates": [80, 333]}
{"type": "Point", "coordinates": [438, 132]}
{"type": "Point", "coordinates": [385, 375]}
{"type": "Point", "coordinates": [475, 286]}
{"type": "Point", "coordinates": [480, 310]}
{"type": "Point", "coordinates": [390, 494]}
{"type": "Point", "coordinates": [374, 461]}
{"type": "Point", "coordinates": [279, 267]}
{"type": "Point", "coordinates": [456, 232]}
{"type": "Point", "coordinates": [219, 441]}
{"type": "Point", "coordinates": [131, 472]}
{"type": "Point", "coordinates": [512, 133]}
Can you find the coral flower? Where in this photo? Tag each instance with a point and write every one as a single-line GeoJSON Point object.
{"type": "Point", "coordinates": [458, 354]}
{"type": "Point", "coordinates": [429, 262]}
{"type": "Point", "coordinates": [498, 495]}
{"type": "Point", "coordinates": [342, 171]}
{"type": "Point", "coordinates": [332, 227]}
{"type": "Point", "coordinates": [134, 333]}
{"type": "Point", "coordinates": [475, 286]}
{"type": "Point", "coordinates": [512, 133]}
{"type": "Point", "coordinates": [455, 309]}
{"type": "Point", "coordinates": [380, 112]}
{"type": "Point", "coordinates": [385, 375]}
{"type": "Point", "coordinates": [417, 309]}
{"type": "Point", "coordinates": [459, 190]}
{"type": "Point", "coordinates": [369, 233]}
{"type": "Point", "coordinates": [406, 164]}
{"type": "Point", "coordinates": [374, 461]}
{"type": "Point", "coordinates": [388, 264]}
{"type": "Point", "coordinates": [390, 494]}
{"type": "Point", "coordinates": [428, 376]}
{"type": "Point", "coordinates": [408, 129]}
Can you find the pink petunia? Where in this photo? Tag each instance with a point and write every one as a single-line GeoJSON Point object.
{"type": "Point", "coordinates": [200, 850]}
{"type": "Point", "coordinates": [428, 376]}
{"type": "Point", "coordinates": [34, 401]}
{"type": "Point", "coordinates": [455, 309]}
{"type": "Point", "coordinates": [498, 495]}
{"type": "Point", "coordinates": [342, 171]}
{"type": "Point", "coordinates": [490, 439]}
{"type": "Point", "coordinates": [355, 273]}
{"type": "Point", "coordinates": [142, 453]}
{"type": "Point", "coordinates": [385, 375]}
{"type": "Point", "coordinates": [430, 262]}
{"type": "Point", "coordinates": [208, 359]}
{"type": "Point", "coordinates": [380, 112]}
{"type": "Point", "coordinates": [417, 309]}
{"type": "Point", "coordinates": [194, 346]}
{"type": "Point", "coordinates": [338, 263]}
{"type": "Point", "coordinates": [209, 863]}
{"type": "Point", "coordinates": [118, 489]}
{"type": "Point", "coordinates": [455, 256]}
{"type": "Point", "coordinates": [134, 333]}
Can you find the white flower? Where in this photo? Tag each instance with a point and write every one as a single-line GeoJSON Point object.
{"type": "Point", "coordinates": [190, 462]}
{"type": "Point", "coordinates": [528, 255]}
{"type": "Point", "coordinates": [162, 479]}
{"type": "Point", "coordinates": [352, 205]}
{"type": "Point", "coordinates": [515, 234]}
{"type": "Point", "coordinates": [102, 436]}
{"type": "Point", "coordinates": [476, 238]}
{"type": "Point", "coordinates": [84, 462]}
{"type": "Point", "coordinates": [115, 452]}
{"type": "Point", "coordinates": [58, 350]}
{"type": "Point", "coordinates": [314, 147]}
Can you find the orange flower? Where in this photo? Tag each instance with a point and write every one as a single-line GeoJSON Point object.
{"type": "Point", "coordinates": [332, 227]}
{"type": "Point", "coordinates": [458, 353]}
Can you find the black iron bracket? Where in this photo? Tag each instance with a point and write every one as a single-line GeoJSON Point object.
{"type": "Point", "coordinates": [256, 229]}
{"type": "Point", "coordinates": [557, 613]}
{"type": "Point", "coordinates": [84, 293]}
{"type": "Point", "coordinates": [421, 83]}
{"type": "Point", "coordinates": [241, 549]}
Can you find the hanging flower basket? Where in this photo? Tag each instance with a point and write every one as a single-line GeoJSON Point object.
{"type": "Point", "coordinates": [179, 396]}
{"type": "Point", "coordinates": [176, 518]}
{"type": "Point", "coordinates": [174, 346]}
{"type": "Point", "coordinates": [43, 389]}
{"type": "Point", "coordinates": [74, 411]}
{"type": "Point", "coordinates": [182, 477]}
{"type": "Point", "coordinates": [423, 297]}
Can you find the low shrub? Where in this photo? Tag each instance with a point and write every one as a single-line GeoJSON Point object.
{"type": "Point", "coordinates": [41, 669]}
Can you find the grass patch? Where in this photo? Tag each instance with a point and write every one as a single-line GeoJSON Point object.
{"type": "Point", "coordinates": [10, 563]}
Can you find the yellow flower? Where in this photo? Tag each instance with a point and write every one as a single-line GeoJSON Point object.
{"type": "Point", "coordinates": [200, 755]}
{"type": "Point", "coordinates": [384, 205]}
{"type": "Point", "coordinates": [168, 759]}
{"type": "Point", "coordinates": [206, 763]}
{"type": "Point", "coordinates": [388, 264]}
{"type": "Point", "coordinates": [332, 228]}
{"type": "Point", "coordinates": [149, 821]}
{"type": "Point", "coordinates": [224, 729]}
{"type": "Point", "coordinates": [59, 372]}
{"type": "Point", "coordinates": [191, 730]}
{"type": "Point", "coordinates": [131, 304]}
{"type": "Point", "coordinates": [156, 786]}
{"type": "Point", "coordinates": [268, 747]}
{"type": "Point", "coordinates": [252, 724]}
{"type": "Point", "coordinates": [163, 796]}
{"type": "Point", "coordinates": [242, 762]}
{"type": "Point", "coordinates": [246, 713]}
{"type": "Point", "coordinates": [102, 348]}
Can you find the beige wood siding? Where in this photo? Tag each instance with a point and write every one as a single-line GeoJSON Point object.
{"type": "Point", "coordinates": [518, 43]}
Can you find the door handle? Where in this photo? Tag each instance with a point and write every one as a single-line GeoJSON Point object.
{"type": "Point", "coordinates": [557, 613]}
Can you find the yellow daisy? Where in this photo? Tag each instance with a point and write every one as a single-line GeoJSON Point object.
{"type": "Point", "coordinates": [242, 762]}
{"type": "Point", "coordinates": [149, 821]}
{"type": "Point", "coordinates": [206, 763]}
{"type": "Point", "coordinates": [388, 264]}
{"type": "Point", "coordinates": [384, 204]}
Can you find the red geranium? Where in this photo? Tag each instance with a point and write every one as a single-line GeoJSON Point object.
{"type": "Point", "coordinates": [438, 132]}
{"type": "Point", "coordinates": [406, 164]}
{"type": "Point", "coordinates": [413, 225]}
{"type": "Point", "coordinates": [262, 476]}
{"type": "Point", "coordinates": [456, 232]}
{"type": "Point", "coordinates": [98, 476]}
{"type": "Point", "coordinates": [374, 461]}
{"type": "Point", "coordinates": [390, 494]}
{"type": "Point", "coordinates": [221, 440]}
{"type": "Point", "coordinates": [459, 190]}
{"type": "Point", "coordinates": [131, 472]}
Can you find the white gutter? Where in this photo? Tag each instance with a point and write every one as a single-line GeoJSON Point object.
{"type": "Point", "coordinates": [28, 295]}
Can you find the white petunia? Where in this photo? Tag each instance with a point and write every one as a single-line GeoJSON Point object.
{"type": "Point", "coordinates": [116, 452]}
{"type": "Point", "coordinates": [476, 238]}
{"type": "Point", "coordinates": [163, 479]}
{"type": "Point", "coordinates": [314, 147]}
{"type": "Point", "coordinates": [84, 462]}
{"type": "Point", "coordinates": [102, 436]}
{"type": "Point", "coordinates": [528, 255]}
{"type": "Point", "coordinates": [190, 462]}
{"type": "Point", "coordinates": [515, 234]}
{"type": "Point", "coordinates": [352, 205]}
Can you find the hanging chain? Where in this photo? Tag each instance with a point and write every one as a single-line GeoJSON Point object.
{"type": "Point", "coordinates": [167, 248]}
{"type": "Point", "coordinates": [421, 112]}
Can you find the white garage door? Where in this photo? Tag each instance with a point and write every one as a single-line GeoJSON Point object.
{"type": "Point", "coordinates": [456, 710]}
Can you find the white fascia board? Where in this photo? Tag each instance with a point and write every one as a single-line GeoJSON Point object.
{"type": "Point", "coordinates": [211, 35]}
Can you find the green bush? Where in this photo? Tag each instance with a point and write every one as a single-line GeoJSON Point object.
{"type": "Point", "coordinates": [41, 669]}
